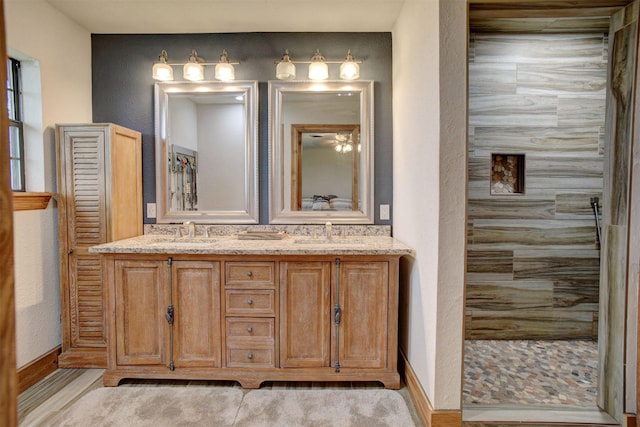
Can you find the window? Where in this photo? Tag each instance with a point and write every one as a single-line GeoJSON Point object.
{"type": "Point", "coordinates": [16, 129]}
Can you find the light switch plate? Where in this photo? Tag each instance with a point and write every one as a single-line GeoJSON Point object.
{"type": "Point", "coordinates": [384, 212]}
{"type": "Point", "coordinates": [151, 210]}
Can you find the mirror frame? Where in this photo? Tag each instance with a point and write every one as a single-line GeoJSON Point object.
{"type": "Point", "coordinates": [277, 212]}
{"type": "Point", "coordinates": [250, 215]}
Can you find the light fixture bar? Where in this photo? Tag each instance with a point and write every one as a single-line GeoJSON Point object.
{"type": "Point", "coordinates": [194, 69]}
{"type": "Point", "coordinates": [318, 70]}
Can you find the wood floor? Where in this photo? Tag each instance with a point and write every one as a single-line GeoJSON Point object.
{"type": "Point", "coordinates": [63, 387]}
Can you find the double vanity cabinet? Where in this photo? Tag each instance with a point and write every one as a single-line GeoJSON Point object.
{"type": "Point", "coordinates": [252, 311]}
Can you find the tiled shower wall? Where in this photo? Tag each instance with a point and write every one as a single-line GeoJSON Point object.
{"type": "Point", "coordinates": [533, 258]}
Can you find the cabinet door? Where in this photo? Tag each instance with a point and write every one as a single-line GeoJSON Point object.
{"type": "Point", "coordinates": [82, 204]}
{"type": "Point", "coordinates": [196, 301]}
{"type": "Point", "coordinates": [305, 314]}
{"type": "Point", "coordinates": [363, 298]}
{"type": "Point", "coordinates": [141, 304]}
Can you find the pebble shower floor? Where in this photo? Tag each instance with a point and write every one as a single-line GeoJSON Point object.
{"type": "Point", "coordinates": [527, 372]}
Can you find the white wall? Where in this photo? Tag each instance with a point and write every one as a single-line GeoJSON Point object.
{"type": "Point", "coordinates": [429, 156]}
{"type": "Point", "coordinates": [222, 146]}
{"type": "Point", "coordinates": [63, 49]}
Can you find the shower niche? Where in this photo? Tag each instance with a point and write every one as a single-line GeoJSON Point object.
{"type": "Point", "coordinates": [507, 174]}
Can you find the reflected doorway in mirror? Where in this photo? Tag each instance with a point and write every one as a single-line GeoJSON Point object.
{"type": "Point", "coordinates": [183, 179]}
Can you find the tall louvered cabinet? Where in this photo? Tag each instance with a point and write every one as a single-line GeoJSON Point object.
{"type": "Point", "coordinates": [99, 172]}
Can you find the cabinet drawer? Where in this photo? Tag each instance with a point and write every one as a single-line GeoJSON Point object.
{"type": "Point", "coordinates": [241, 356]}
{"type": "Point", "coordinates": [250, 327]}
{"type": "Point", "coordinates": [250, 274]}
{"type": "Point", "coordinates": [250, 303]}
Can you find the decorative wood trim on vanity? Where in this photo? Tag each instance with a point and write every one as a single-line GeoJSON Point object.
{"type": "Point", "coordinates": [430, 416]}
{"type": "Point", "coordinates": [30, 201]}
{"type": "Point", "coordinates": [33, 372]}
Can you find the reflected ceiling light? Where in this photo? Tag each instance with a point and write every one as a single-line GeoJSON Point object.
{"type": "Point", "coordinates": [161, 69]}
{"type": "Point", "coordinates": [344, 142]}
{"type": "Point", "coordinates": [349, 69]}
{"type": "Point", "coordinates": [285, 70]}
{"type": "Point", "coordinates": [224, 69]}
{"type": "Point", "coordinates": [318, 69]}
{"type": "Point", "coordinates": [193, 70]}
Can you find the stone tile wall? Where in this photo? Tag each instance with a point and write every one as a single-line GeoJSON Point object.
{"type": "Point", "coordinates": [533, 257]}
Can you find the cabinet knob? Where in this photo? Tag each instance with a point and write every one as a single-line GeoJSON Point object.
{"type": "Point", "coordinates": [250, 301]}
{"type": "Point", "coordinates": [249, 273]}
{"type": "Point", "coordinates": [250, 356]}
{"type": "Point", "coordinates": [70, 251]}
{"type": "Point", "coordinates": [250, 329]}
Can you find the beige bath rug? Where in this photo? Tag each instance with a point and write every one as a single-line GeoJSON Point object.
{"type": "Point", "coordinates": [153, 407]}
{"type": "Point", "coordinates": [326, 408]}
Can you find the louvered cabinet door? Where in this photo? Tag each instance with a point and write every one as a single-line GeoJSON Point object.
{"type": "Point", "coordinates": [82, 203]}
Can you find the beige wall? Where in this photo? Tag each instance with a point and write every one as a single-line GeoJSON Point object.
{"type": "Point", "coordinates": [63, 49]}
{"type": "Point", "coordinates": [429, 155]}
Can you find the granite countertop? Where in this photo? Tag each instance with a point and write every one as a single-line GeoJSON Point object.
{"type": "Point", "coordinates": [231, 245]}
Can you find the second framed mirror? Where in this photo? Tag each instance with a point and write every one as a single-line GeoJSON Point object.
{"type": "Point", "coordinates": [321, 152]}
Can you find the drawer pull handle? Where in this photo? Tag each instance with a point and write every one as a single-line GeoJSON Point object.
{"type": "Point", "coordinates": [249, 273]}
{"type": "Point", "coordinates": [250, 301]}
{"type": "Point", "coordinates": [250, 356]}
{"type": "Point", "coordinates": [250, 329]}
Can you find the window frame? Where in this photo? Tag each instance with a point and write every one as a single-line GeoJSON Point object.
{"type": "Point", "coordinates": [14, 97]}
{"type": "Point", "coordinates": [22, 199]}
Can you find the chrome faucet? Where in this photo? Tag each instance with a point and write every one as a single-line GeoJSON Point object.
{"type": "Point", "coordinates": [191, 229]}
{"type": "Point", "coordinates": [327, 228]}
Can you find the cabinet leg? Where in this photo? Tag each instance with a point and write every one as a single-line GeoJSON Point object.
{"type": "Point", "coordinates": [245, 383]}
{"type": "Point", "coordinates": [392, 384]}
{"type": "Point", "coordinates": [109, 380]}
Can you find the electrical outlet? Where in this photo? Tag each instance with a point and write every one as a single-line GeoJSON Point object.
{"type": "Point", "coordinates": [384, 212]}
{"type": "Point", "coordinates": [151, 210]}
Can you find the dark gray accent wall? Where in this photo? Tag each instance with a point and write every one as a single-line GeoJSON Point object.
{"type": "Point", "coordinates": [123, 86]}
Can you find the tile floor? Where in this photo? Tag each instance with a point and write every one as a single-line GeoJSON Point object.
{"type": "Point", "coordinates": [525, 372]}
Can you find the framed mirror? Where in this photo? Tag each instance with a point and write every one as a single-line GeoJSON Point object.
{"type": "Point", "coordinates": [206, 152]}
{"type": "Point", "coordinates": [321, 152]}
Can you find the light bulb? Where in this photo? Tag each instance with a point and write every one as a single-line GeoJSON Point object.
{"type": "Point", "coordinates": [318, 69]}
{"type": "Point", "coordinates": [193, 70]}
{"type": "Point", "coordinates": [161, 70]}
{"type": "Point", "coordinates": [349, 69]}
{"type": "Point", "coordinates": [285, 70]}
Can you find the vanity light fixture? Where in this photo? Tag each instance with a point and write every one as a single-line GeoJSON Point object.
{"type": "Point", "coordinates": [349, 69]}
{"type": "Point", "coordinates": [318, 68]}
{"type": "Point", "coordinates": [194, 69]}
{"type": "Point", "coordinates": [224, 69]}
{"type": "Point", "coordinates": [161, 69]}
{"type": "Point", "coordinates": [285, 70]}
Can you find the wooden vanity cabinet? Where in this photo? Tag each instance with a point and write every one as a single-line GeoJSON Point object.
{"type": "Point", "coordinates": [305, 318]}
{"type": "Point", "coordinates": [253, 318]}
{"type": "Point", "coordinates": [141, 303]}
{"type": "Point", "coordinates": [195, 297]}
{"type": "Point", "coordinates": [356, 293]}
{"type": "Point", "coordinates": [250, 314]}
{"type": "Point", "coordinates": [167, 313]}
{"type": "Point", "coordinates": [99, 172]}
